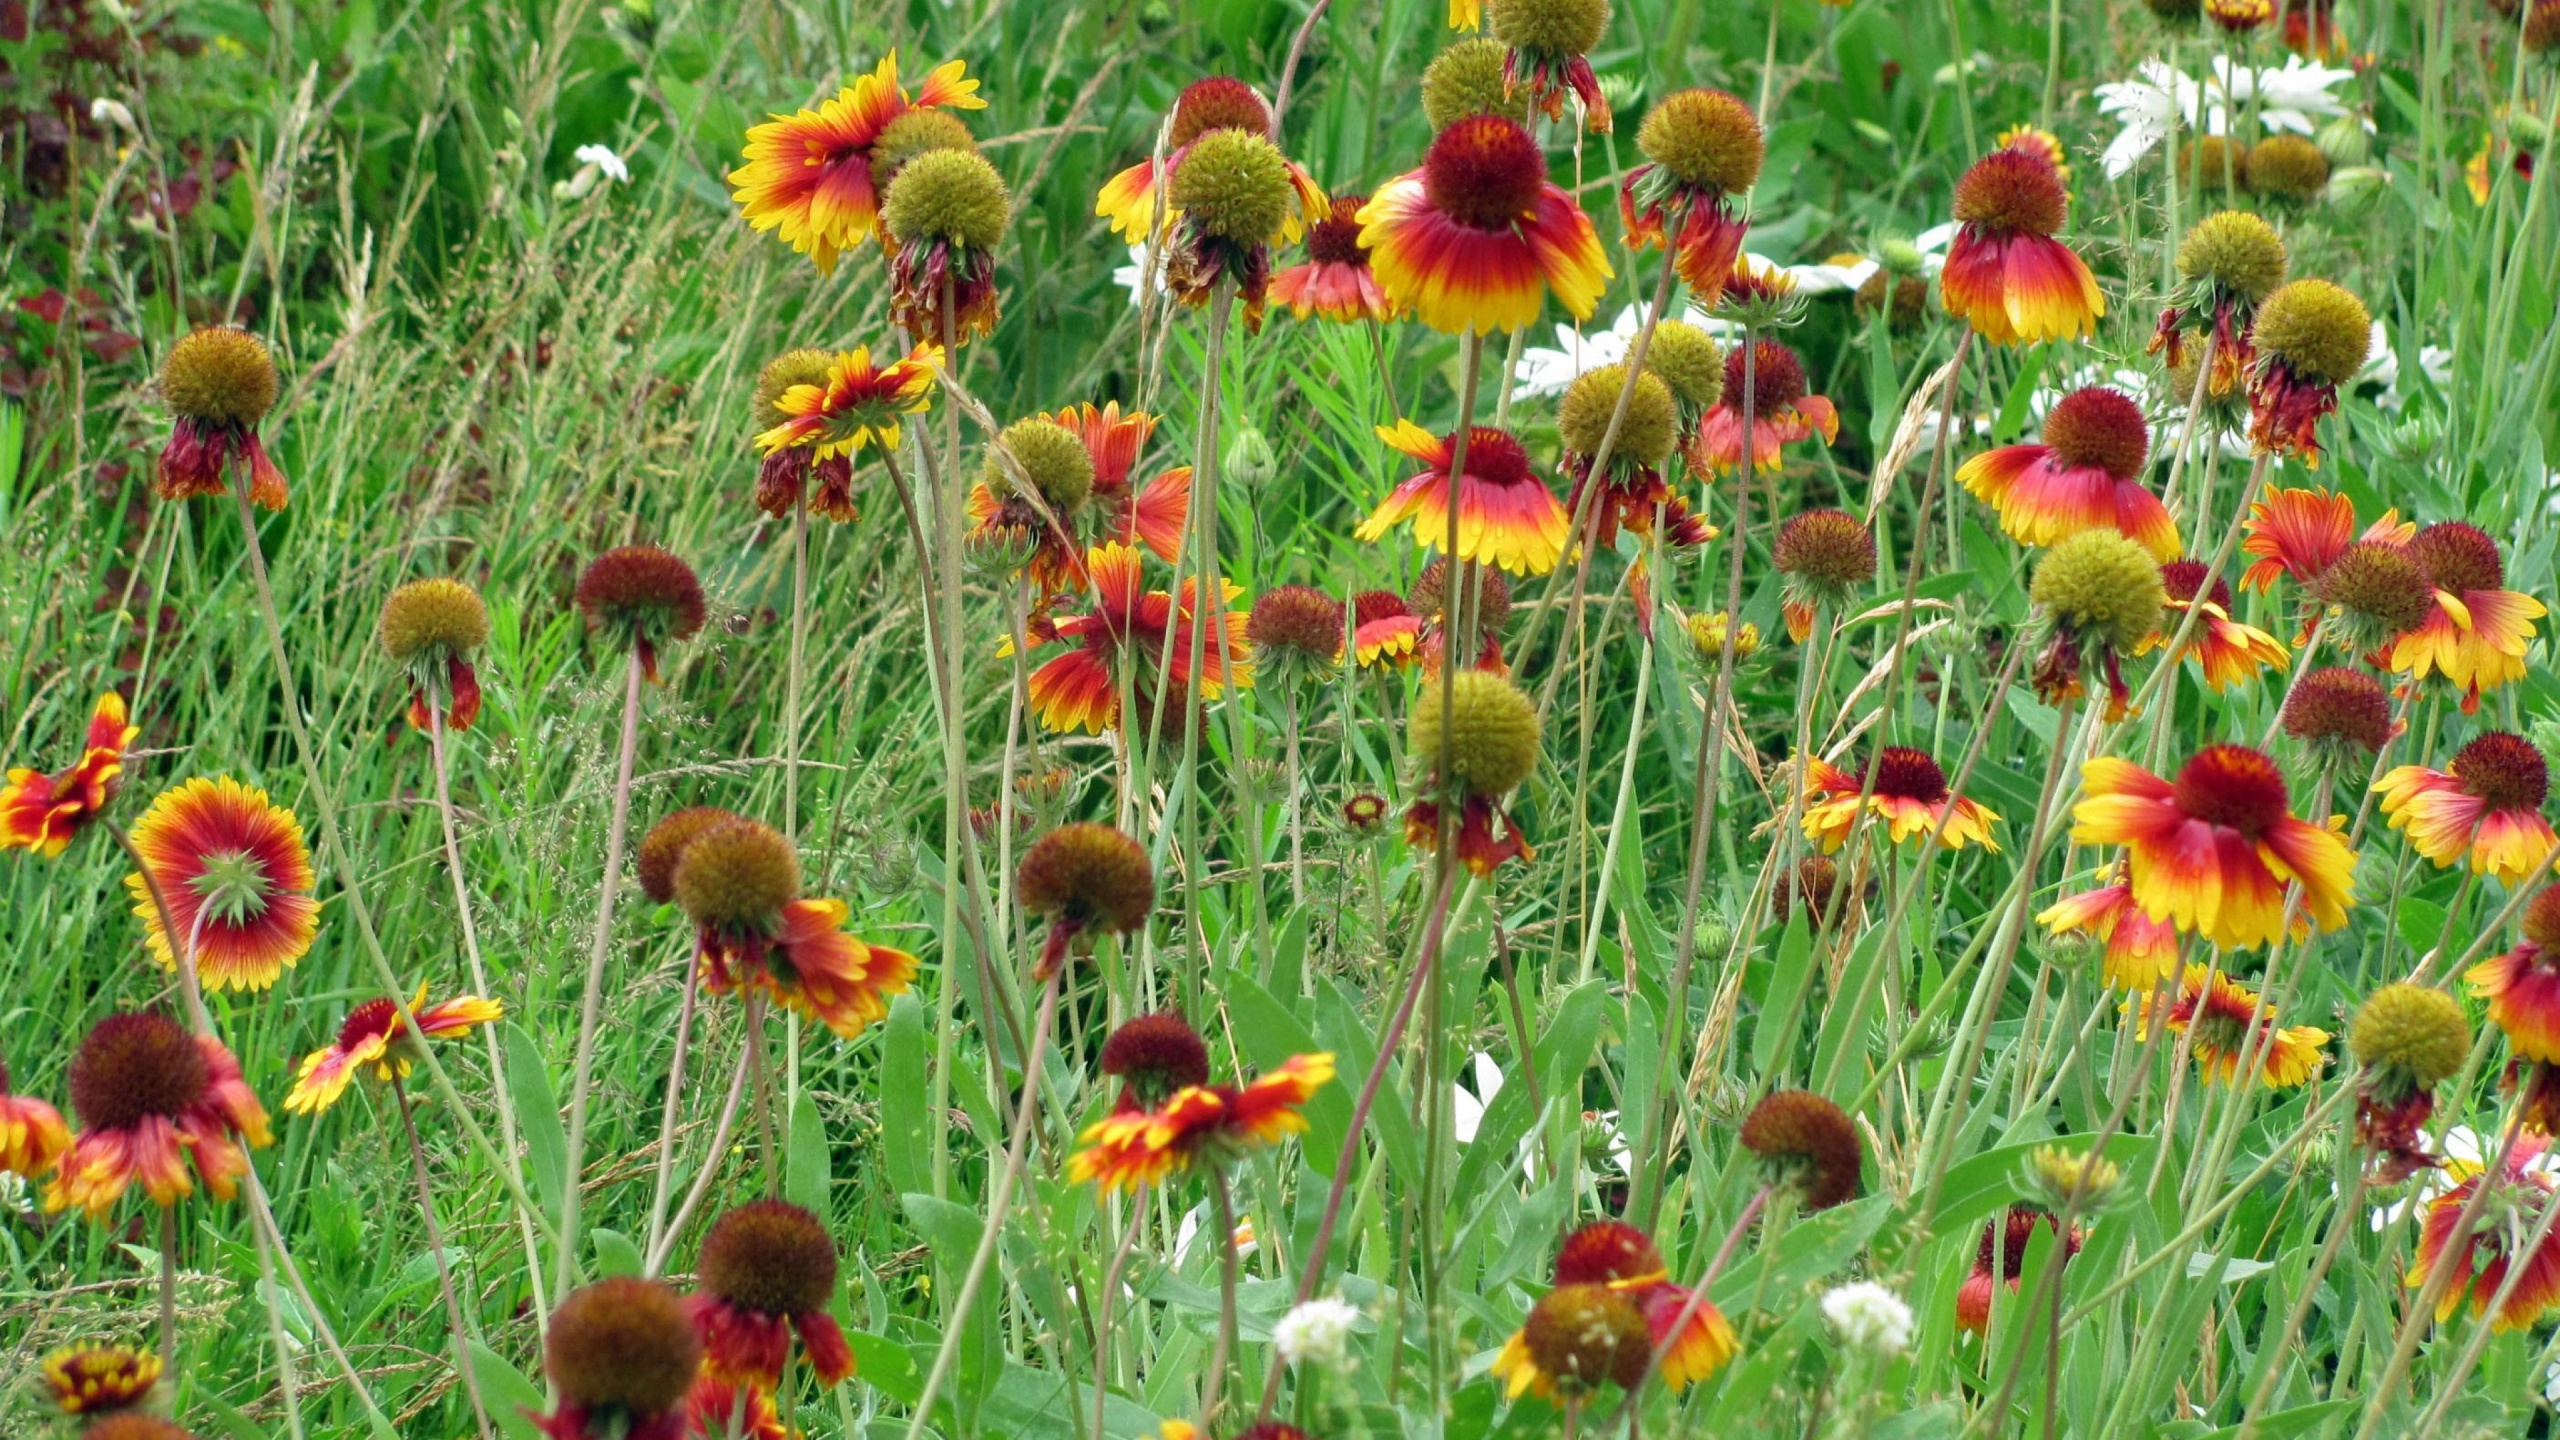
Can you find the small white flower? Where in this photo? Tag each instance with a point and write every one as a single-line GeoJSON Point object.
{"type": "Point", "coordinates": [112, 112]}
{"type": "Point", "coordinates": [1318, 1330]}
{"type": "Point", "coordinates": [1869, 1317]}
{"type": "Point", "coordinates": [1133, 276]}
{"type": "Point", "coordinates": [603, 158]}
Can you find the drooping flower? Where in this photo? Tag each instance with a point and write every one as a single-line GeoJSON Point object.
{"type": "Point", "coordinates": [739, 882]}
{"type": "Point", "coordinates": [642, 598]}
{"type": "Point", "coordinates": [1384, 630]}
{"type": "Point", "coordinates": [2229, 651]}
{"type": "Point", "coordinates": [236, 877]}
{"type": "Point", "coordinates": [1085, 878]}
{"type": "Point", "coordinates": [1296, 632]}
{"type": "Point", "coordinates": [430, 629]}
{"type": "Point", "coordinates": [2215, 851]}
{"type": "Point", "coordinates": [1234, 196]}
{"type": "Point", "coordinates": [1030, 502]}
{"type": "Point", "coordinates": [374, 1036]}
{"type": "Point", "coordinates": [1219, 104]}
{"type": "Point", "coordinates": [1484, 748]}
{"type": "Point", "coordinates": [1334, 280]}
{"type": "Point", "coordinates": [2228, 265]}
{"type": "Point", "coordinates": [2299, 534]}
{"type": "Point", "coordinates": [218, 384]}
{"type": "Point", "coordinates": [32, 1135]}
{"type": "Point", "coordinates": [2477, 633]}
{"type": "Point", "coordinates": [2087, 475]}
{"type": "Point", "coordinates": [1474, 239]}
{"type": "Point", "coordinates": [1702, 148]}
{"type": "Point", "coordinates": [2002, 1254]}
{"type": "Point", "coordinates": [2238, 17]}
{"type": "Point", "coordinates": [2140, 951]}
{"type": "Point", "coordinates": [1610, 1258]}
{"type": "Point", "coordinates": [1910, 798]}
{"type": "Point", "coordinates": [1783, 411]}
{"type": "Point", "coordinates": [99, 1379]}
{"type": "Point", "coordinates": [1806, 1144]}
{"type": "Point", "coordinates": [2221, 1019]}
{"type": "Point", "coordinates": [1550, 42]}
{"type": "Point", "coordinates": [1198, 1124]}
{"type": "Point", "coordinates": [858, 403]}
{"type": "Point", "coordinates": [2311, 30]}
{"type": "Point", "coordinates": [815, 177]}
{"type": "Point", "coordinates": [1632, 490]}
{"type": "Point", "coordinates": [1147, 630]}
{"type": "Point", "coordinates": [664, 846]}
{"type": "Point", "coordinates": [1507, 516]}
{"type": "Point", "coordinates": [2342, 716]}
{"type": "Point", "coordinates": [767, 1273]}
{"type": "Point", "coordinates": [793, 476]}
{"type": "Point", "coordinates": [1827, 557]}
{"type": "Point", "coordinates": [2310, 338]}
{"type": "Point", "coordinates": [943, 216]}
{"type": "Point", "coordinates": [2519, 1192]}
{"type": "Point", "coordinates": [2486, 806]}
{"type": "Point", "coordinates": [2409, 1039]}
{"type": "Point", "coordinates": [2099, 596]}
{"type": "Point", "coordinates": [1576, 1339]}
{"type": "Point", "coordinates": [153, 1100]}
{"type": "Point", "coordinates": [40, 812]}
{"type": "Point", "coordinates": [2522, 986]}
{"type": "Point", "coordinates": [2005, 274]}
{"type": "Point", "coordinates": [622, 1357]}
{"type": "Point", "coordinates": [1154, 1056]}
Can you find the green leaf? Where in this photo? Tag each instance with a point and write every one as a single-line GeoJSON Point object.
{"type": "Point", "coordinates": [886, 1366]}
{"type": "Point", "coordinates": [2421, 923]}
{"type": "Point", "coordinates": [1777, 1028]}
{"type": "Point", "coordinates": [615, 1254]}
{"type": "Point", "coordinates": [804, 1178]}
{"type": "Point", "coordinates": [512, 1400]}
{"type": "Point", "coordinates": [538, 1113]}
{"type": "Point", "coordinates": [1268, 1033]}
{"type": "Point", "coordinates": [1563, 1054]}
{"type": "Point", "coordinates": [904, 1092]}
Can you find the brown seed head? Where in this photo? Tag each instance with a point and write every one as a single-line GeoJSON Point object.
{"type": "Point", "coordinates": [220, 376]}
{"type": "Point", "coordinates": [1092, 875]}
{"type": "Point", "coordinates": [133, 1066]}
{"type": "Point", "coordinates": [622, 1345]}
{"type": "Point", "coordinates": [1807, 1142]}
{"type": "Point", "coordinates": [737, 874]}
{"type": "Point", "coordinates": [665, 844]}
{"type": "Point", "coordinates": [770, 1257]}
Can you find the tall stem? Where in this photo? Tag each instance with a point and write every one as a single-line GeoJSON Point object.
{"type": "Point", "coordinates": [591, 1004]}
{"type": "Point", "coordinates": [168, 1288]}
{"type": "Point", "coordinates": [760, 1074]}
{"type": "Point", "coordinates": [955, 760]}
{"type": "Point", "coordinates": [444, 1270]}
{"type": "Point", "coordinates": [664, 1184]}
{"type": "Point", "coordinates": [791, 681]}
{"type": "Point", "coordinates": [1214, 1393]}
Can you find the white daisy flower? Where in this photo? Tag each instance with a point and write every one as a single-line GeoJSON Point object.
{"type": "Point", "coordinates": [1317, 1331]}
{"type": "Point", "coordinates": [1869, 1317]}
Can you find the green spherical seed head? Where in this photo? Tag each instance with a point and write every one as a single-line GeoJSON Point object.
{"type": "Point", "coordinates": [2319, 330]}
{"type": "Point", "coordinates": [2236, 253]}
{"type": "Point", "coordinates": [1466, 79]}
{"type": "Point", "coordinates": [952, 195]}
{"type": "Point", "coordinates": [1050, 454]}
{"type": "Point", "coordinates": [2288, 167]}
{"type": "Point", "coordinates": [1548, 27]}
{"type": "Point", "coordinates": [2099, 584]}
{"type": "Point", "coordinates": [1645, 436]}
{"type": "Point", "coordinates": [914, 133]}
{"type": "Point", "coordinates": [1235, 185]}
{"type": "Point", "coordinates": [220, 375]}
{"type": "Point", "coordinates": [433, 619]}
{"type": "Point", "coordinates": [1705, 138]}
{"type": "Point", "coordinates": [1690, 361]}
{"type": "Point", "coordinates": [2415, 1030]}
{"type": "Point", "coordinates": [792, 367]}
{"type": "Point", "coordinates": [1492, 732]}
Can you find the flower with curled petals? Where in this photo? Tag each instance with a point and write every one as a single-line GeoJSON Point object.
{"type": "Point", "coordinates": [1153, 514]}
{"type": "Point", "coordinates": [2522, 986]}
{"type": "Point", "coordinates": [2310, 337]}
{"type": "Point", "coordinates": [1198, 1124]}
{"type": "Point", "coordinates": [1702, 148]}
{"type": "Point", "coordinates": [2229, 651]}
{"type": "Point", "coordinates": [2006, 275]}
{"type": "Point", "coordinates": [1148, 630]}
{"type": "Point", "coordinates": [40, 813]}
{"type": "Point", "coordinates": [2000, 1257]}
{"type": "Point", "coordinates": [2220, 1018]}
{"type": "Point", "coordinates": [1783, 411]}
{"type": "Point", "coordinates": [2478, 631]}
{"type": "Point", "coordinates": [218, 383]}
{"type": "Point", "coordinates": [1334, 281]}
{"type": "Point", "coordinates": [2086, 475]}
{"type": "Point", "coordinates": [812, 176]}
{"type": "Point", "coordinates": [2217, 850]}
{"type": "Point", "coordinates": [1548, 58]}
{"type": "Point", "coordinates": [373, 1035]}
{"type": "Point", "coordinates": [712, 1401]}
{"type": "Point", "coordinates": [1910, 797]}
{"type": "Point", "coordinates": [2493, 1254]}
{"type": "Point", "coordinates": [99, 1379]}
{"type": "Point", "coordinates": [32, 1135]}
{"type": "Point", "coordinates": [858, 404]}
{"type": "Point", "coordinates": [2485, 806]}
{"type": "Point", "coordinates": [237, 880]}
{"type": "Point", "coordinates": [1507, 517]}
{"type": "Point", "coordinates": [1475, 239]}
{"type": "Point", "coordinates": [2298, 534]}
{"type": "Point", "coordinates": [152, 1101]}
{"type": "Point", "coordinates": [2139, 953]}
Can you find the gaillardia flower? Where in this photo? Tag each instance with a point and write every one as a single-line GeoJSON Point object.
{"type": "Point", "coordinates": [856, 403]}
{"type": "Point", "coordinates": [2229, 651]}
{"type": "Point", "coordinates": [2486, 805]}
{"type": "Point", "coordinates": [1632, 490]}
{"type": "Point", "coordinates": [430, 629]}
{"type": "Point", "coordinates": [41, 812]}
{"type": "Point", "coordinates": [2227, 265]}
{"type": "Point", "coordinates": [2220, 1018]}
{"type": "Point", "coordinates": [2522, 986]}
{"type": "Point", "coordinates": [2289, 170]}
{"type": "Point", "coordinates": [739, 883]}
{"type": "Point", "coordinates": [373, 1035]}
{"type": "Point", "coordinates": [2002, 1254]}
{"type": "Point", "coordinates": [943, 215]}
{"type": "Point", "coordinates": [2214, 851]}
{"type": "Point", "coordinates": [1910, 797]}
{"type": "Point", "coordinates": [1152, 515]}
{"type": "Point", "coordinates": [1805, 1144]}
{"type": "Point", "coordinates": [1154, 1056]}
{"type": "Point", "coordinates": [2299, 534]}
{"type": "Point", "coordinates": [1215, 105]}
{"type": "Point", "coordinates": [2342, 716]}
{"type": "Point", "coordinates": [32, 1135]}
{"type": "Point", "coordinates": [2005, 274]}
{"type": "Point", "coordinates": [1702, 148]}
{"type": "Point", "coordinates": [2493, 1252]}
{"type": "Point", "coordinates": [1030, 501]}
{"type": "Point", "coordinates": [233, 870]}
{"type": "Point", "coordinates": [1384, 629]}
{"type": "Point", "coordinates": [641, 597]}
{"type": "Point", "coordinates": [1490, 739]}
{"type": "Point", "coordinates": [784, 476]}
{"type": "Point", "coordinates": [218, 384]}
{"type": "Point", "coordinates": [1296, 631]}
{"type": "Point", "coordinates": [2139, 953]}
{"type": "Point", "coordinates": [2409, 1039]}
{"type": "Point", "coordinates": [1430, 600]}
{"type": "Point", "coordinates": [1084, 877]}
{"type": "Point", "coordinates": [816, 177]}
{"type": "Point", "coordinates": [1235, 196]}
{"type": "Point", "coordinates": [664, 846]}
{"type": "Point", "coordinates": [767, 1272]}
{"type": "Point", "coordinates": [622, 1356]}
{"type": "Point", "coordinates": [99, 1379]}
{"type": "Point", "coordinates": [2477, 632]}
{"type": "Point", "coordinates": [1147, 630]}
{"type": "Point", "coordinates": [2100, 596]}
{"type": "Point", "coordinates": [1198, 1124]}
{"type": "Point", "coordinates": [1507, 516]}
{"type": "Point", "coordinates": [1334, 280]}
{"type": "Point", "coordinates": [151, 1100]}
{"type": "Point", "coordinates": [1783, 411]}
{"type": "Point", "coordinates": [712, 1401]}
{"type": "Point", "coordinates": [1550, 41]}
{"type": "Point", "coordinates": [2310, 337]}
{"type": "Point", "coordinates": [1576, 1339]}
{"type": "Point", "coordinates": [1474, 239]}
{"type": "Point", "coordinates": [1623, 1259]}
{"type": "Point", "coordinates": [1466, 79]}
{"type": "Point", "coordinates": [2087, 475]}
{"type": "Point", "coordinates": [1828, 557]}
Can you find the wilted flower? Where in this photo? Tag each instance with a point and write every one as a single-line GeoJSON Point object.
{"type": "Point", "coordinates": [2101, 596]}
{"type": "Point", "coordinates": [1702, 148]}
{"type": "Point", "coordinates": [2310, 337]}
{"type": "Point", "coordinates": [739, 883]}
{"type": "Point", "coordinates": [1488, 742]}
{"type": "Point", "coordinates": [153, 1100]}
{"type": "Point", "coordinates": [2410, 1039]}
{"type": "Point", "coordinates": [641, 597]}
{"type": "Point", "coordinates": [1806, 1144]}
{"type": "Point", "coordinates": [1085, 877]}
{"type": "Point", "coordinates": [768, 1273]}
{"type": "Point", "coordinates": [1550, 41]}
{"type": "Point", "coordinates": [40, 812]}
{"type": "Point", "coordinates": [622, 1357]}
{"type": "Point", "coordinates": [218, 384]}
{"type": "Point", "coordinates": [943, 216]}
{"type": "Point", "coordinates": [430, 629]}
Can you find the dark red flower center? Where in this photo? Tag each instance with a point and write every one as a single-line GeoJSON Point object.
{"type": "Point", "coordinates": [1220, 102]}
{"type": "Point", "coordinates": [1484, 172]}
{"type": "Point", "coordinates": [1494, 458]}
{"type": "Point", "coordinates": [133, 1066]}
{"type": "Point", "coordinates": [2542, 919]}
{"type": "Point", "coordinates": [1156, 1055]}
{"type": "Point", "coordinates": [2458, 557]}
{"type": "Point", "coordinates": [2012, 192]}
{"type": "Point", "coordinates": [2233, 786]}
{"type": "Point", "coordinates": [2098, 428]}
{"type": "Point", "coordinates": [2504, 771]}
{"type": "Point", "coordinates": [1776, 379]}
{"type": "Point", "coordinates": [1608, 1250]}
{"type": "Point", "coordinates": [1335, 239]}
{"type": "Point", "coordinates": [2181, 578]}
{"type": "Point", "coordinates": [1903, 773]}
{"type": "Point", "coordinates": [374, 1017]}
{"type": "Point", "coordinates": [2335, 703]}
{"type": "Point", "coordinates": [1374, 605]}
{"type": "Point", "coordinates": [771, 1257]}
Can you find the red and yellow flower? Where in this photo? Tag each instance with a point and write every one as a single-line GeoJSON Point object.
{"type": "Point", "coordinates": [808, 176]}
{"type": "Point", "coordinates": [2221, 1019]}
{"type": "Point", "coordinates": [1783, 411]}
{"type": "Point", "coordinates": [2477, 635]}
{"type": "Point", "coordinates": [2140, 952]}
{"type": "Point", "coordinates": [1507, 517]}
{"type": "Point", "coordinates": [374, 1036]}
{"type": "Point", "coordinates": [767, 1272]}
{"type": "Point", "coordinates": [858, 405]}
{"type": "Point", "coordinates": [2229, 651]}
{"type": "Point", "coordinates": [811, 966]}
{"type": "Point", "coordinates": [2522, 986]}
{"type": "Point", "coordinates": [1910, 798]}
{"type": "Point", "coordinates": [1152, 515]}
{"type": "Point", "coordinates": [1384, 629]}
{"type": "Point", "coordinates": [1149, 629]}
{"type": "Point", "coordinates": [2298, 534]}
{"type": "Point", "coordinates": [2215, 851]}
{"type": "Point", "coordinates": [1196, 1124]}
{"type": "Point", "coordinates": [236, 877]}
{"type": "Point", "coordinates": [2005, 273]}
{"type": "Point", "coordinates": [2087, 475]}
{"type": "Point", "coordinates": [1622, 1259]}
{"type": "Point", "coordinates": [32, 1135]}
{"type": "Point", "coordinates": [2492, 1253]}
{"type": "Point", "coordinates": [41, 812]}
{"type": "Point", "coordinates": [1475, 239]}
{"type": "Point", "coordinates": [1219, 102]}
{"type": "Point", "coordinates": [711, 1402]}
{"type": "Point", "coordinates": [1334, 281]}
{"type": "Point", "coordinates": [99, 1379]}
{"type": "Point", "coordinates": [2002, 1253]}
{"type": "Point", "coordinates": [1702, 148]}
{"type": "Point", "coordinates": [2486, 805]}
{"type": "Point", "coordinates": [153, 1100]}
